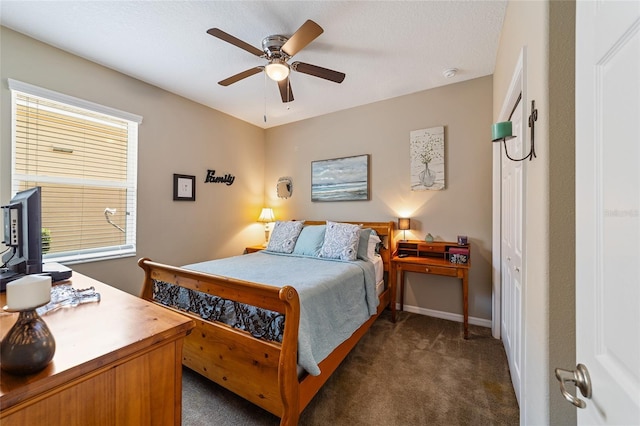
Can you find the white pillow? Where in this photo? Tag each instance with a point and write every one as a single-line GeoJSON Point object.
{"type": "Point", "coordinates": [340, 241]}
{"type": "Point", "coordinates": [284, 236]}
{"type": "Point", "coordinates": [374, 240]}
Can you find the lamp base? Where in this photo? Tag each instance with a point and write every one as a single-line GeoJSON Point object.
{"type": "Point", "coordinates": [266, 235]}
{"type": "Point", "coordinates": [29, 345]}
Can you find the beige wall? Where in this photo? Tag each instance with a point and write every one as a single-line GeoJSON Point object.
{"type": "Point", "coordinates": [547, 31]}
{"type": "Point", "coordinates": [382, 130]}
{"type": "Point", "coordinates": [176, 136]}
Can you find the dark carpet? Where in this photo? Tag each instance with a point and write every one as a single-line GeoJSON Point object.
{"type": "Point", "coordinates": [418, 371]}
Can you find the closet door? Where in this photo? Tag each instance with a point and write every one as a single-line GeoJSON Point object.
{"type": "Point", "coordinates": [511, 249]}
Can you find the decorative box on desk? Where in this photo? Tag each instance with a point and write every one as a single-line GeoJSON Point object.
{"type": "Point", "coordinates": [448, 259]}
{"type": "Point", "coordinates": [458, 255]}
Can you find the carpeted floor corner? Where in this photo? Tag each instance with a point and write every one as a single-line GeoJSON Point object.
{"type": "Point", "coordinates": [418, 371]}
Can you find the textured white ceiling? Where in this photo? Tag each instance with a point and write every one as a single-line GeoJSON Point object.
{"type": "Point", "coordinates": [386, 49]}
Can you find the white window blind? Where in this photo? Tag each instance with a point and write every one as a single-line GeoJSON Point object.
{"type": "Point", "coordinates": [84, 157]}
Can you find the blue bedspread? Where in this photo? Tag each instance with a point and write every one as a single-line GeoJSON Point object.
{"type": "Point", "coordinates": [336, 296]}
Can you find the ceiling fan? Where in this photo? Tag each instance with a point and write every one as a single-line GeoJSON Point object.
{"type": "Point", "coordinates": [277, 50]}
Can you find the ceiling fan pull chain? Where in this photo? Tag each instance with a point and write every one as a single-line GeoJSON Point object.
{"type": "Point", "coordinates": [265, 97]}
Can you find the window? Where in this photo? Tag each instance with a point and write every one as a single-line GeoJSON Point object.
{"type": "Point", "coordinates": [84, 157]}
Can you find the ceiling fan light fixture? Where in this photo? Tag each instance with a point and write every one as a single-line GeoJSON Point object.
{"type": "Point", "coordinates": [277, 70]}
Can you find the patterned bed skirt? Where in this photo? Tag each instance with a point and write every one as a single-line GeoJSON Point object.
{"type": "Point", "coordinates": [260, 323]}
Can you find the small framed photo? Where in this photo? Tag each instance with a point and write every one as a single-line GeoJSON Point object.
{"type": "Point", "coordinates": [184, 188]}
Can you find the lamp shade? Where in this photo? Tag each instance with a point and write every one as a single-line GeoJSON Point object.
{"type": "Point", "coordinates": [501, 131]}
{"type": "Point", "coordinates": [266, 215]}
{"type": "Point", "coordinates": [404, 223]}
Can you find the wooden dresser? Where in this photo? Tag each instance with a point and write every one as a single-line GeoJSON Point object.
{"type": "Point", "coordinates": [117, 362]}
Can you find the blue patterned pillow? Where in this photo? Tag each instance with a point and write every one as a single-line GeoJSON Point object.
{"type": "Point", "coordinates": [284, 236]}
{"type": "Point", "coordinates": [340, 241]}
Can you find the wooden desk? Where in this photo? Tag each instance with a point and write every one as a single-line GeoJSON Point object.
{"type": "Point", "coordinates": [432, 258]}
{"type": "Point", "coordinates": [117, 362]}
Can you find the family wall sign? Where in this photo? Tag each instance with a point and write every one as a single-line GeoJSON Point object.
{"type": "Point", "coordinates": [212, 178]}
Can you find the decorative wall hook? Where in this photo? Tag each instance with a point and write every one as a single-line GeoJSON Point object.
{"type": "Point", "coordinates": [503, 131]}
{"type": "Point", "coordinates": [532, 123]}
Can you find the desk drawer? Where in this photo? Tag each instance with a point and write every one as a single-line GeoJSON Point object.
{"type": "Point", "coordinates": [428, 269]}
{"type": "Point", "coordinates": [431, 247]}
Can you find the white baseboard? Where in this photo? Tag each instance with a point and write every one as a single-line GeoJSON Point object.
{"type": "Point", "coordinates": [445, 315]}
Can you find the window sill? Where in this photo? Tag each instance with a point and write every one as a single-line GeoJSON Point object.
{"type": "Point", "coordinates": [74, 259]}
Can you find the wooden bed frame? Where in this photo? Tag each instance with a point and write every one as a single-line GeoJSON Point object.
{"type": "Point", "coordinates": [260, 371]}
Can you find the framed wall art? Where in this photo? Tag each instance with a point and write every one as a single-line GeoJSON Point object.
{"type": "Point", "coordinates": [341, 179]}
{"type": "Point", "coordinates": [184, 188]}
{"type": "Point", "coordinates": [427, 159]}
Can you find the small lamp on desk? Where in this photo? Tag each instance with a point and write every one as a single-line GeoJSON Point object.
{"type": "Point", "coordinates": [404, 223]}
{"type": "Point", "coordinates": [266, 216]}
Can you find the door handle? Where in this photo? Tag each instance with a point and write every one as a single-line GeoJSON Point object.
{"type": "Point", "coordinates": [580, 377]}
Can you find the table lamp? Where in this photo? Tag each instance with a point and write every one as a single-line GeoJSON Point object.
{"type": "Point", "coordinates": [404, 223]}
{"type": "Point", "coordinates": [266, 216]}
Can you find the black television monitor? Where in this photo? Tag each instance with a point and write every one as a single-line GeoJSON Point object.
{"type": "Point", "coordinates": [23, 235]}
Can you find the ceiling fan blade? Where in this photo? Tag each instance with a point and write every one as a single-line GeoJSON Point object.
{"type": "Point", "coordinates": [240, 76]}
{"type": "Point", "coordinates": [217, 32]}
{"type": "Point", "coordinates": [317, 71]}
{"type": "Point", "coordinates": [285, 90]}
{"type": "Point", "coordinates": [303, 36]}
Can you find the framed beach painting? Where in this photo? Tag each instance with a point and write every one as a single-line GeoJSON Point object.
{"type": "Point", "coordinates": [340, 179]}
{"type": "Point", "coordinates": [427, 159]}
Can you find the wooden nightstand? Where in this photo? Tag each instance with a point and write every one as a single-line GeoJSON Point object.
{"type": "Point", "coordinates": [434, 258]}
{"type": "Point", "coordinates": [253, 249]}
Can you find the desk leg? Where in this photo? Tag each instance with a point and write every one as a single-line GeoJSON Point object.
{"type": "Point", "coordinates": [401, 289]}
{"type": "Point", "coordinates": [393, 280]}
{"type": "Point", "coordinates": [465, 301]}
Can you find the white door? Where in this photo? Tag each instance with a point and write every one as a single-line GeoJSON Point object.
{"type": "Point", "coordinates": [511, 249]}
{"type": "Point", "coordinates": [608, 209]}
